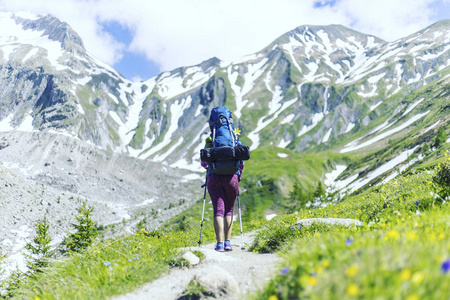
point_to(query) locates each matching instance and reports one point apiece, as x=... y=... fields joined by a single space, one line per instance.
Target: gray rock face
x=329 y=221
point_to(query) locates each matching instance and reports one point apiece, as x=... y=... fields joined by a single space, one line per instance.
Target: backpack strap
x=231 y=132
x=222 y=119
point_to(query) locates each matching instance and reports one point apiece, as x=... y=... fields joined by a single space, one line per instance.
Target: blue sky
x=132 y=65
x=142 y=38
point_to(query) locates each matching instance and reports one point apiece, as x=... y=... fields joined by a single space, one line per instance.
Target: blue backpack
x=223 y=135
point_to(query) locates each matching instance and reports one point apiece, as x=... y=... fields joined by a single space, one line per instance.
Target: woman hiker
x=223 y=189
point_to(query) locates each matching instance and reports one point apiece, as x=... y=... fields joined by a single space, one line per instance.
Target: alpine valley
x=320 y=103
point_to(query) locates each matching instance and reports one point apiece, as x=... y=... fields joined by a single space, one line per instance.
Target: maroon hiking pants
x=223 y=190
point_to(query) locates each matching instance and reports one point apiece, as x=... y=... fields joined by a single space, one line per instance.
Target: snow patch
x=288 y=119
x=276 y=108
x=83 y=81
x=191 y=177
x=114 y=98
x=372 y=107
x=5 y=124
x=327 y=135
x=176 y=112
x=415 y=79
x=382 y=169
x=289 y=47
x=80 y=109
x=412 y=106
x=432 y=126
x=385 y=134
x=349 y=127
x=254 y=71
x=183 y=164
x=30 y=54
x=27 y=124
x=198 y=111
x=330 y=178
x=315 y=120
x=16 y=259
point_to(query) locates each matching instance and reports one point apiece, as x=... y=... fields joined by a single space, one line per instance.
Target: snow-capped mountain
x=314 y=87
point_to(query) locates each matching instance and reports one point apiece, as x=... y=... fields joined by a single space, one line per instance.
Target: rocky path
x=240 y=271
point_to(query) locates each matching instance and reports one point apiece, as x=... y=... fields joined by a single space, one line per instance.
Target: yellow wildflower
x=417 y=277
x=273 y=297
x=325 y=263
x=319 y=270
x=413 y=297
x=37 y=298
x=405 y=274
x=393 y=234
x=441 y=236
x=412 y=236
x=237 y=131
x=312 y=280
x=352 y=290
x=352 y=270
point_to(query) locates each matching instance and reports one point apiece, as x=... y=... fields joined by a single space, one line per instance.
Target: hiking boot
x=219 y=247
x=228 y=246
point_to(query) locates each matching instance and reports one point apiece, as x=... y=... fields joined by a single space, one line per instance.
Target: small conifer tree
x=86 y=231
x=441 y=180
x=41 y=246
x=298 y=197
x=320 y=191
x=441 y=137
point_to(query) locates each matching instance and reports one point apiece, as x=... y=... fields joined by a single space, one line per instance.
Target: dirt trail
x=250 y=270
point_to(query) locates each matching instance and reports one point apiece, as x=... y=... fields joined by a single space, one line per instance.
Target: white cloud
x=178 y=33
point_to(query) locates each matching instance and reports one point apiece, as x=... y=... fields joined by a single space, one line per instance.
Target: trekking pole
x=240 y=222
x=203 y=211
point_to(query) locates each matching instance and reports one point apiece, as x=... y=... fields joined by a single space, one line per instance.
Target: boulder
x=3 y=145
x=215 y=282
x=191 y=258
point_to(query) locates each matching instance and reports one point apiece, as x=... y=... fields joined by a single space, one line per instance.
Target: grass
x=399 y=262
x=403 y=254
x=119 y=265
x=400 y=252
x=108 y=267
